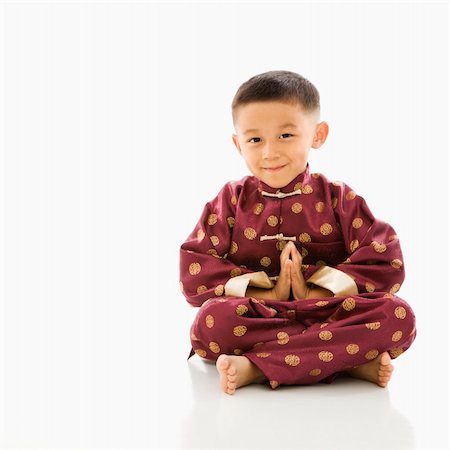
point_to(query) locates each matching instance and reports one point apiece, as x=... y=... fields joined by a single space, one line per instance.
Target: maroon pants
x=304 y=341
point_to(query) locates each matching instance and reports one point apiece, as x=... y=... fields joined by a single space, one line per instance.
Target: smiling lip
x=274 y=169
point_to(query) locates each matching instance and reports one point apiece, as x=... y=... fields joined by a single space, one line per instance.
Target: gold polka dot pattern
x=238 y=351
x=202 y=288
x=272 y=221
x=212 y=219
x=231 y=221
x=281 y=245
x=371 y=354
x=241 y=309
x=393 y=237
x=326 y=229
x=320 y=206
x=325 y=356
x=304 y=252
x=250 y=233
x=263 y=355
x=379 y=248
x=323 y=325
x=215 y=240
x=200 y=235
x=209 y=321
x=322 y=303
x=395 y=352
x=213 y=252
x=282 y=338
x=373 y=325
x=354 y=245
x=233 y=200
x=258 y=208
x=235 y=272
x=195 y=268
x=240 y=330
x=325 y=335
x=291 y=314
x=214 y=347
x=400 y=312
x=352 y=349
x=296 y=208
x=349 y=303
x=194 y=337
x=357 y=223
x=350 y=195
x=265 y=261
x=233 y=248
x=307 y=189
x=334 y=201
x=396 y=263
x=200 y=352
x=394 y=288
x=397 y=336
x=369 y=287
x=315 y=372
x=219 y=290
x=292 y=360
x=305 y=238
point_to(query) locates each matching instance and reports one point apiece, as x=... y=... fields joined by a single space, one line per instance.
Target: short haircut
x=277 y=85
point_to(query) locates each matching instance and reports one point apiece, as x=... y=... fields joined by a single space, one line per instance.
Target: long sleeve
x=205 y=271
x=375 y=261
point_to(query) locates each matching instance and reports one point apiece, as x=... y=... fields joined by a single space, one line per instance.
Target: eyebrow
x=286 y=125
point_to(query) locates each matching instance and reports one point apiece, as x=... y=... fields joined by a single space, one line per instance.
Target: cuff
x=237 y=286
x=334 y=280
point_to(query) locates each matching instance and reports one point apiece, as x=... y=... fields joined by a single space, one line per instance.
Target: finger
x=285 y=272
x=296 y=256
x=285 y=253
x=297 y=284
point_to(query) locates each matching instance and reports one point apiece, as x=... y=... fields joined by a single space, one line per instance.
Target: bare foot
x=237 y=371
x=377 y=371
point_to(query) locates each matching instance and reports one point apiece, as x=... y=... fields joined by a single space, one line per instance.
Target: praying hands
x=289 y=280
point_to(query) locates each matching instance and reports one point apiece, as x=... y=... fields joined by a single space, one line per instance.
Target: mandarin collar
x=302 y=178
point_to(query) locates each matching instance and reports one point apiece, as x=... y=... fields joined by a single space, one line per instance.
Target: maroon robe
x=237 y=243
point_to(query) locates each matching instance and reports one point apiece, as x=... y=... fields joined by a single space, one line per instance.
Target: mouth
x=274 y=169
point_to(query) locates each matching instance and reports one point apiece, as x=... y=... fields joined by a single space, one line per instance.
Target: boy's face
x=275 y=137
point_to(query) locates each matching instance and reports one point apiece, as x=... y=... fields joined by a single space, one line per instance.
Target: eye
x=254 y=138
x=287 y=134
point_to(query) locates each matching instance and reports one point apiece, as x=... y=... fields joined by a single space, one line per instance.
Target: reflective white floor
x=348 y=414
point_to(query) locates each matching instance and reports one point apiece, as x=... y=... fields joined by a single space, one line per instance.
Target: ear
x=236 y=142
x=320 y=136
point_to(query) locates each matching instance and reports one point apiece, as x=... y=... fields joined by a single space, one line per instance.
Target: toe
x=385 y=359
x=222 y=362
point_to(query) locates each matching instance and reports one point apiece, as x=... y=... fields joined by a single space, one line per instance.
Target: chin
x=275 y=185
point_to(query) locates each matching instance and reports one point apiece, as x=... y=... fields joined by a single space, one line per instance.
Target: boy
x=294 y=276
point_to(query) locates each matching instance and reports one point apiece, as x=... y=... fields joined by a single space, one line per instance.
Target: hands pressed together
x=289 y=280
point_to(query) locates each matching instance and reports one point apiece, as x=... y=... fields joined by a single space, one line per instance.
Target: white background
x=116 y=130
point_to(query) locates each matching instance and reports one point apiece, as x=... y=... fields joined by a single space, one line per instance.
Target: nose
x=270 y=151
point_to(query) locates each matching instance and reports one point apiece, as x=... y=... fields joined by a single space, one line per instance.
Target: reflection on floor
x=344 y=415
